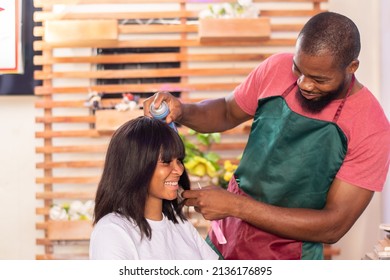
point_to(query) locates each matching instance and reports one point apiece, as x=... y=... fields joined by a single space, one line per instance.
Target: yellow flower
x=228 y=166
x=227 y=175
x=200 y=166
x=228 y=171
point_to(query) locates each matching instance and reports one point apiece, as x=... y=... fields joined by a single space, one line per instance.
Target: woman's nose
x=305 y=83
x=178 y=167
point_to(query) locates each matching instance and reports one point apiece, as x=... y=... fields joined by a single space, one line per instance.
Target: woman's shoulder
x=115 y=220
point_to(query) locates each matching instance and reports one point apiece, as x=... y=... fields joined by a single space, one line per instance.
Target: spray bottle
x=161 y=113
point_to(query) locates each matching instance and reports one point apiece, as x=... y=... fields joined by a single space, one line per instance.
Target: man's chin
x=314 y=105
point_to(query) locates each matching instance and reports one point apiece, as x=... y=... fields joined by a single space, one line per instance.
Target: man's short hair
x=333 y=33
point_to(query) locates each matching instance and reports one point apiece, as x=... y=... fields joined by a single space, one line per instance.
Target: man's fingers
x=191 y=202
x=191 y=194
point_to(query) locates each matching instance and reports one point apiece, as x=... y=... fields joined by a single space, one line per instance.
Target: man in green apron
x=318 y=148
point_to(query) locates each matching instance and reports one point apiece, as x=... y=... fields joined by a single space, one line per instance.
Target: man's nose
x=305 y=83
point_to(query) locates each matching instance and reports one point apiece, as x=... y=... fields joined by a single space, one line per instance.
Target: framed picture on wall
x=10 y=37
x=16 y=48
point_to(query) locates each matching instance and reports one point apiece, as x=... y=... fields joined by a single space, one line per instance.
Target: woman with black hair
x=138 y=214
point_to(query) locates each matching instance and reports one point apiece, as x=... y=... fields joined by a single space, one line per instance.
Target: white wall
x=366 y=14
x=385 y=89
x=17 y=177
x=17 y=151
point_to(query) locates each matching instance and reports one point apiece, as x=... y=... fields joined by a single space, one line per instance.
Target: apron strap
x=338 y=112
x=289 y=89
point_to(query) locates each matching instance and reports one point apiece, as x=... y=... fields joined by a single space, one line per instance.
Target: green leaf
x=213 y=157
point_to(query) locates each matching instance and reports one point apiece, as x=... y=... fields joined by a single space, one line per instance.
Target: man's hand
x=175 y=106
x=212 y=202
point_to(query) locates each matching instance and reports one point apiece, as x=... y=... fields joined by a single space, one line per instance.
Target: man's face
x=319 y=80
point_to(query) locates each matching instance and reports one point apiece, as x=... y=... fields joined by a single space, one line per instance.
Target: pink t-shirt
x=362 y=120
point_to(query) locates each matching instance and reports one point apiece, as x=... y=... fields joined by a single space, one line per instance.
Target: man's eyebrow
x=311 y=76
x=295 y=66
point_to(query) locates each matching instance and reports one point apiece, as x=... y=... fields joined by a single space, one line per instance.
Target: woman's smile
x=172 y=185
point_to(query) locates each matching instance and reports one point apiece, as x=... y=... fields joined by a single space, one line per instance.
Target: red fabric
x=246 y=242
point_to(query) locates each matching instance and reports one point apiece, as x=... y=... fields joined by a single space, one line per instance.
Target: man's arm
x=211 y=115
x=345 y=203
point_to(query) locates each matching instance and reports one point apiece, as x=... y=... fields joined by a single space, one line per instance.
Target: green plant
x=201 y=162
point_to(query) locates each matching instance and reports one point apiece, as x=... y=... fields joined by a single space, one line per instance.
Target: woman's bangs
x=172 y=147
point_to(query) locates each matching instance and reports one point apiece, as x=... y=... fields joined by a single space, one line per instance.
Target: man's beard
x=316 y=106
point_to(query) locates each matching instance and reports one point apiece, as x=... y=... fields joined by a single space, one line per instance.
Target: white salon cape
x=116 y=238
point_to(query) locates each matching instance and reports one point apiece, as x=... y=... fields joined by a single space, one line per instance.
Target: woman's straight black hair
x=131 y=159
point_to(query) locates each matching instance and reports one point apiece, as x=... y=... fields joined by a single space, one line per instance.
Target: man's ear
x=353 y=66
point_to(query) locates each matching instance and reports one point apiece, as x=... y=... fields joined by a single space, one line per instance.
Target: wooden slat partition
x=70 y=150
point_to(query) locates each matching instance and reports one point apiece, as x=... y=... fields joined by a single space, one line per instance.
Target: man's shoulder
x=364 y=111
x=364 y=101
x=280 y=58
x=278 y=64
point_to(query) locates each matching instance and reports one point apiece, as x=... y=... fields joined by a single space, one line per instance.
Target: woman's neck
x=153 y=209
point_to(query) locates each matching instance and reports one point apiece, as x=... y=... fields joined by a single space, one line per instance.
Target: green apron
x=290 y=161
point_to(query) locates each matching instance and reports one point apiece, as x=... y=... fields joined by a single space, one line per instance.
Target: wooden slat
x=65 y=119
x=155 y=57
x=290 y=13
x=139 y=88
x=79 y=30
x=68 y=180
x=42 y=211
x=70 y=164
x=45 y=3
x=69 y=230
x=157 y=28
x=65 y=195
x=61 y=256
x=48 y=16
x=71 y=149
x=67 y=134
x=103 y=148
x=212 y=29
x=280 y=42
x=188 y=28
x=143 y=73
x=64 y=104
x=286 y=27
x=109 y=120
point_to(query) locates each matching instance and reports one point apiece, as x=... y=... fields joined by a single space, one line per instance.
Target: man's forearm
x=206 y=116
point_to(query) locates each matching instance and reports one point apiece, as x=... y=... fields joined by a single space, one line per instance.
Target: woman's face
x=164 y=183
